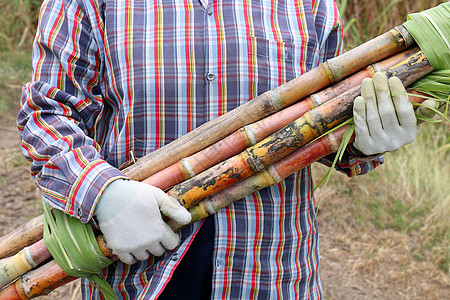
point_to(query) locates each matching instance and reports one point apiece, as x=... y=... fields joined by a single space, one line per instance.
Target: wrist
x=352 y=150
x=116 y=196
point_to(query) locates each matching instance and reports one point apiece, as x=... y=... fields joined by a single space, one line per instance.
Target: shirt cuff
x=88 y=188
x=354 y=162
x=357 y=163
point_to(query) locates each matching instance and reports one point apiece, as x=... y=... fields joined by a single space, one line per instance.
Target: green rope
x=75 y=249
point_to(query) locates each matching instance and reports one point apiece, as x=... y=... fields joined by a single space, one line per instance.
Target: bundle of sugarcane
x=387 y=45
x=264 y=151
x=188 y=191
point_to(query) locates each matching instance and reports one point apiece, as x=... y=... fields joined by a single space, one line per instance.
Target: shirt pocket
x=279 y=61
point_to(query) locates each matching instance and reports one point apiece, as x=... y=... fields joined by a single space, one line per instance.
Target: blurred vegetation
x=18 y=20
x=15 y=70
x=409 y=193
x=366 y=19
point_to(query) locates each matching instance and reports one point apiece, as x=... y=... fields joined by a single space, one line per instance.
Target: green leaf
x=431 y=31
x=74 y=247
x=340 y=152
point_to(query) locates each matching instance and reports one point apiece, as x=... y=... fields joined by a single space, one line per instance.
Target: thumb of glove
x=171 y=208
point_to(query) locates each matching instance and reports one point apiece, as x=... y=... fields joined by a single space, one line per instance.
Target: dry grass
x=409 y=194
x=387 y=234
x=18 y=20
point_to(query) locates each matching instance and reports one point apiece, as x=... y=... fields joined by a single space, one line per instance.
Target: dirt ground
x=355 y=264
x=372 y=264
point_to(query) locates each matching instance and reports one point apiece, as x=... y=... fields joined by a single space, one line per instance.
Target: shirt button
x=175 y=256
x=210 y=77
x=209 y=11
x=79 y=212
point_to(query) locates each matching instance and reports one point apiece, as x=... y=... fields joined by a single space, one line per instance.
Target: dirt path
x=18 y=193
x=366 y=263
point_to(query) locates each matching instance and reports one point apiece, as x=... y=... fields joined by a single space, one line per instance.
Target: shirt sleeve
x=59 y=109
x=353 y=162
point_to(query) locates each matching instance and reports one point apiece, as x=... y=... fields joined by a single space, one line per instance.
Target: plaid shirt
x=115 y=77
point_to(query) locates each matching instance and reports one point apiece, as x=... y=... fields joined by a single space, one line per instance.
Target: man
x=112 y=78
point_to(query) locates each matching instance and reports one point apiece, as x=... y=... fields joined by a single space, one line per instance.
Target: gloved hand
x=129 y=216
x=384 y=118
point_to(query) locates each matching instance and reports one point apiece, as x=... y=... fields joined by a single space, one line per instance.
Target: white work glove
x=129 y=216
x=384 y=118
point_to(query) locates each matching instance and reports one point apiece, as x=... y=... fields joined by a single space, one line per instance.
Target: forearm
x=65 y=161
x=59 y=111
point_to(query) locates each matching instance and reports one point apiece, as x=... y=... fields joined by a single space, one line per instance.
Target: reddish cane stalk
x=27 y=259
x=44 y=279
x=40 y=281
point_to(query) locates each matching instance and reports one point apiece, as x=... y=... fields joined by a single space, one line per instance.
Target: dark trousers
x=192 y=279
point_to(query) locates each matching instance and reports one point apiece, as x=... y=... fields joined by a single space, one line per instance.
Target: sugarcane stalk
x=44 y=279
x=251 y=134
x=22 y=262
x=329 y=72
x=21 y=237
x=40 y=281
